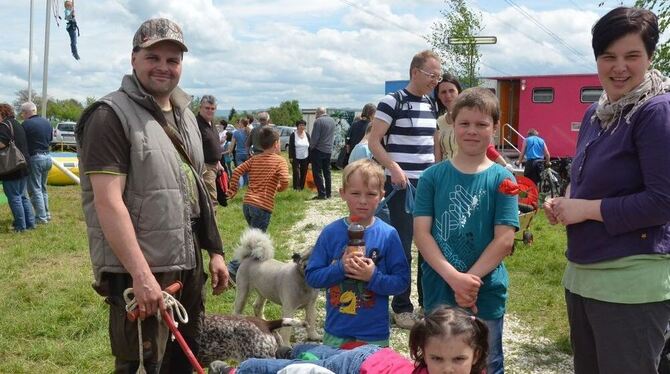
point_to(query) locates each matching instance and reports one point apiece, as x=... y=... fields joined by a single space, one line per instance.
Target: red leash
x=167 y=318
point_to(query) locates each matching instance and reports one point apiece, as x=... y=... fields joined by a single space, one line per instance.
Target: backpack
x=402 y=100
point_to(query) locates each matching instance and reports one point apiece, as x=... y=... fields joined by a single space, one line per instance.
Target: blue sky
x=254 y=54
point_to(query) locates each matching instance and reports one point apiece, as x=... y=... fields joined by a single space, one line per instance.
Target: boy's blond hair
x=368 y=170
x=480 y=98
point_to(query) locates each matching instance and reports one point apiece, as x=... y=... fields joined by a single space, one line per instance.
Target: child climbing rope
x=72 y=28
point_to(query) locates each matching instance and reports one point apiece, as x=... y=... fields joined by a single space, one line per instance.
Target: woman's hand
x=548 y=208
x=570 y=211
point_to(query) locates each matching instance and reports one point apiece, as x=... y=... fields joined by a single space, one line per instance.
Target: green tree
x=286 y=114
x=89 y=100
x=22 y=97
x=461 y=23
x=232 y=114
x=64 y=110
x=195 y=104
x=662 y=9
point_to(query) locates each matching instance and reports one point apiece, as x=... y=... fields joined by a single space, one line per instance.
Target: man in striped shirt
x=403 y=140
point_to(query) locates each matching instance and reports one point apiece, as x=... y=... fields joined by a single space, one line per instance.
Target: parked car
x=284 y=133
x=64 y=135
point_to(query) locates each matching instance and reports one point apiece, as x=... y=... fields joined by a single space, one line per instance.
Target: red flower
x=508 y=187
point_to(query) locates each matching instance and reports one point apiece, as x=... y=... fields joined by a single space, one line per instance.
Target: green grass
x=52 y=321
x=536 y=295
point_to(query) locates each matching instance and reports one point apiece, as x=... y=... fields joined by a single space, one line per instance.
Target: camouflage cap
x=157 y=30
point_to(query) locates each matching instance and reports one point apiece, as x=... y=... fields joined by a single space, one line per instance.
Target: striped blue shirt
x=410 y=141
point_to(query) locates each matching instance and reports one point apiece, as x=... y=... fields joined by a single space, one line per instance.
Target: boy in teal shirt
x=464 y=225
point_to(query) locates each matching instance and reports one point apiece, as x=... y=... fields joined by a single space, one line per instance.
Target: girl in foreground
x=448 y=340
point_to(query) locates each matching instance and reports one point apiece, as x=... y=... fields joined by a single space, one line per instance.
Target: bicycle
x=550 y=184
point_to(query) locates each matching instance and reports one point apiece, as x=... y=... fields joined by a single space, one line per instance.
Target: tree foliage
x=662 y=9
x=232 y=114
x=286 y=114
x=194 y=105
x=57 y=110
x=461 y=22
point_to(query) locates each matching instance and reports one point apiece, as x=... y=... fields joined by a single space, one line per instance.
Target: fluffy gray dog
x=282 y=283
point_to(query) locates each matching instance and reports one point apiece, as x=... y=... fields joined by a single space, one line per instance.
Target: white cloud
x=255 y=54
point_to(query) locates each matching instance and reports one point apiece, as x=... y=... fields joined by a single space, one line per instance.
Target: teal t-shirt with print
x=465 y=209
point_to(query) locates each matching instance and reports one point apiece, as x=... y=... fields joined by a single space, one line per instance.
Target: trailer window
x=543 y=95
x=590 y=94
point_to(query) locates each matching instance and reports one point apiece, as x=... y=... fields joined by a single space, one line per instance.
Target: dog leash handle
x=171 y=289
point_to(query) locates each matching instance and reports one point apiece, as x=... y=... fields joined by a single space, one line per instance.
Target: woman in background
x=298 y=154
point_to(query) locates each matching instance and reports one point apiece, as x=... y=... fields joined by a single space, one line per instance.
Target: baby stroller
x=528 y=205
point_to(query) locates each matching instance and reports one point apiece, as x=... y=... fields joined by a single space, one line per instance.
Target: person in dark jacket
x=298 y=153
x=357 y=130
x=210 y=144
x=15 y=184
x=39 y=135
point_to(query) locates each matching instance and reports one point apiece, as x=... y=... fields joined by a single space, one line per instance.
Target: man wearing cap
x=147 y=211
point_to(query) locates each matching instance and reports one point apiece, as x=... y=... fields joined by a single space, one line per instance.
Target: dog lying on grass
x=282 y=283
x=240 y=337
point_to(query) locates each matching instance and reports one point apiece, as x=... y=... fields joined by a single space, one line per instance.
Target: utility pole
x=45 y=78
x=30 y=54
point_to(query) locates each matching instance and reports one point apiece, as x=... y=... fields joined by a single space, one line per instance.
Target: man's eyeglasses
x=436 y=77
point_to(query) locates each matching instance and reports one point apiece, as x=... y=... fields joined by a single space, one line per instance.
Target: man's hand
x=148 y=295
x=398 y=177
x=219 y=273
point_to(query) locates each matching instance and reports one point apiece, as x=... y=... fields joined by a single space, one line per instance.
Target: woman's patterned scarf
x=654 y=84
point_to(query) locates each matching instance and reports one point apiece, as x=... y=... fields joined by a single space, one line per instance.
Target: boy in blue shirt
x=358 y=285
x=464 y=225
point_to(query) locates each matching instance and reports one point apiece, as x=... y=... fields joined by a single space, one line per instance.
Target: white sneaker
x=404 y=320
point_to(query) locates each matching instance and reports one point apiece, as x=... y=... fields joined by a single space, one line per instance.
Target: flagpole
x=30 y=54
x=45 y=99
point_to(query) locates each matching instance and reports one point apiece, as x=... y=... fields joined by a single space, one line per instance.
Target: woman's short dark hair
x=300 y=122
x=449 y=78
x=622 y=21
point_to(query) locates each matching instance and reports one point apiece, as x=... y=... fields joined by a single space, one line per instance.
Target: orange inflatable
x=309 y=180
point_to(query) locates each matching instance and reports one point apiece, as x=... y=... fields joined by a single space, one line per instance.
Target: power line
x=547 y=31
x=375 y=15
x=531 y=37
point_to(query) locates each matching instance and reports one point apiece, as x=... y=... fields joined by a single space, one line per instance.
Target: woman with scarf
x=617 y=209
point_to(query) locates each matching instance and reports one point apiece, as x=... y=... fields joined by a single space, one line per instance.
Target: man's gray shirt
x=323 y=133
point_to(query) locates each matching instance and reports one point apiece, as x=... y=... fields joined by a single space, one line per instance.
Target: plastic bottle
x=355 y=232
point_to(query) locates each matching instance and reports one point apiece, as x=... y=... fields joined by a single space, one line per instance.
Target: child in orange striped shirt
x=268 y=174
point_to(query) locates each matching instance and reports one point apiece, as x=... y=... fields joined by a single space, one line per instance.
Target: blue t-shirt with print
x=465 y=209
x=356 y=309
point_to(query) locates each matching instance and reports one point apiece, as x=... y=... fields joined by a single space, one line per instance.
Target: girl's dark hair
x=450 y=322
x=622 y=21
x=448 y=78
x=229 y=136
x=300 y=122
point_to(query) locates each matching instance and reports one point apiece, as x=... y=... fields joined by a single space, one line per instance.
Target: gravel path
x=525 y=352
